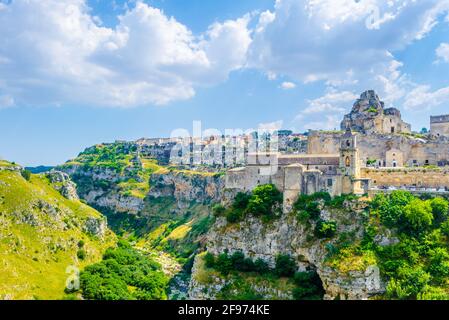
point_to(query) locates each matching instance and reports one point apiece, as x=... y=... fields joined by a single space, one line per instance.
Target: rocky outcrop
x=287 y=235
x=99 y=187
x=62 y=182
x=186 y=187
x=96 y=226
x=369 y=115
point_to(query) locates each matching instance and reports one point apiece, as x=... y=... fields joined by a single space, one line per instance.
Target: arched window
x=348 y=162
x=348 y=143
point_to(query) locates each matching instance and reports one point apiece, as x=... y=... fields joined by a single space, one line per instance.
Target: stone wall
x=415 y=151
x=411 y=177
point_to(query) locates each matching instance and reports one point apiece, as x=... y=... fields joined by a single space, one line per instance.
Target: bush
x=309 y=286
x=408 y=284
x=81 y=244
x=235 y=215
x=265 y=201
x=26 y=174
x=218 y=210
x=440 y=208
x=325 y=229
x=124 y=274
x=241 y=201
x=285 y=266
x=418 y=215
x=261 y=266
x=209 y=260
x=81 y=254
x=445 y=228
x=391 y=207
x=224 y=264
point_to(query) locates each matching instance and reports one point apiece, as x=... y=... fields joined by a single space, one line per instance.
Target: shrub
x=81 y=244
x=285 y=266
x=124 y=274
x=261 y=266
x=209 y=260
x=309 y=286
x=325 y=229
x=218 y=210
x=241 y=200
x=440 y=208
x=418 y=215
x=235 y=215
x=224 y=264
x=81 y=254
x=445 y=228
x=265 y=201
x=408 y=284
x=26 y=174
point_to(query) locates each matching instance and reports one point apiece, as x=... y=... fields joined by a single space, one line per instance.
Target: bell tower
x=349 y=163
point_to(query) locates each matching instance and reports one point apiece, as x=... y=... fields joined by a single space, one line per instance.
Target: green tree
x=440 y=208
x=26 y=174
x=265 y=201
x=285 y=266
x=418 y=215
x=325 y=229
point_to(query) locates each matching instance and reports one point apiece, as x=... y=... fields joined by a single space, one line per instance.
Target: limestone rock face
x=288 y=236
x=368 y=115
x=96 y=226
x=62 y=182
x=187 y=187
x=98 y=186
x=364 y=113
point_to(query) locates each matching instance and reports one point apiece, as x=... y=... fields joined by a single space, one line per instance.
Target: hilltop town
x=374 y=151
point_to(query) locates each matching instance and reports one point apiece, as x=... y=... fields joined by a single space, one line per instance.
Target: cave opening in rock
x=308 y=285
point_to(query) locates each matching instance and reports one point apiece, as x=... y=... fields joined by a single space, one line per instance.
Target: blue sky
x=76 y=73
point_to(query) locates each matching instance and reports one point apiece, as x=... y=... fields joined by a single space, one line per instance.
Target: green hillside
x=42 y=234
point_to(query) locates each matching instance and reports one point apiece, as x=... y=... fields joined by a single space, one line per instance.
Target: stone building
x=439 y=125
x=368 y=116
x=376 y=152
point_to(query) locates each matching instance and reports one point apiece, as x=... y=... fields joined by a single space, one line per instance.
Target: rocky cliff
x=43 y=234
x=286 y=235
x=187 y=186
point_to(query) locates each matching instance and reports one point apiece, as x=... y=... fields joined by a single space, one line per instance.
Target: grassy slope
x=33 y=259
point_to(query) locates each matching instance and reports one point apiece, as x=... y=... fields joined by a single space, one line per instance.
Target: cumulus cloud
x=442 y=52
x=55 y=52
x=271 y=126
x=423 y=98
x=288 y=85
x=325 y=112
x=341 y=42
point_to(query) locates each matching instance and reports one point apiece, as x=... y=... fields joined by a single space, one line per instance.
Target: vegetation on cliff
x=407 y=238
x=242 y=275
x=264 y=201
x=124 y=274
x=40 y=233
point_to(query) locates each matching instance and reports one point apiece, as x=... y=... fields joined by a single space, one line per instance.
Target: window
x=348 y=143
x=427 y=162
x=392 y=129
x=330 y=182
x=348 y=162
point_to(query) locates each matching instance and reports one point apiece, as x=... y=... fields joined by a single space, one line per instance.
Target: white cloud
x=325 y=112
x=271 y=126
x=442 y=52
x=342 y=42
x=422 y=98
x=54 y=52
x=288 y=85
